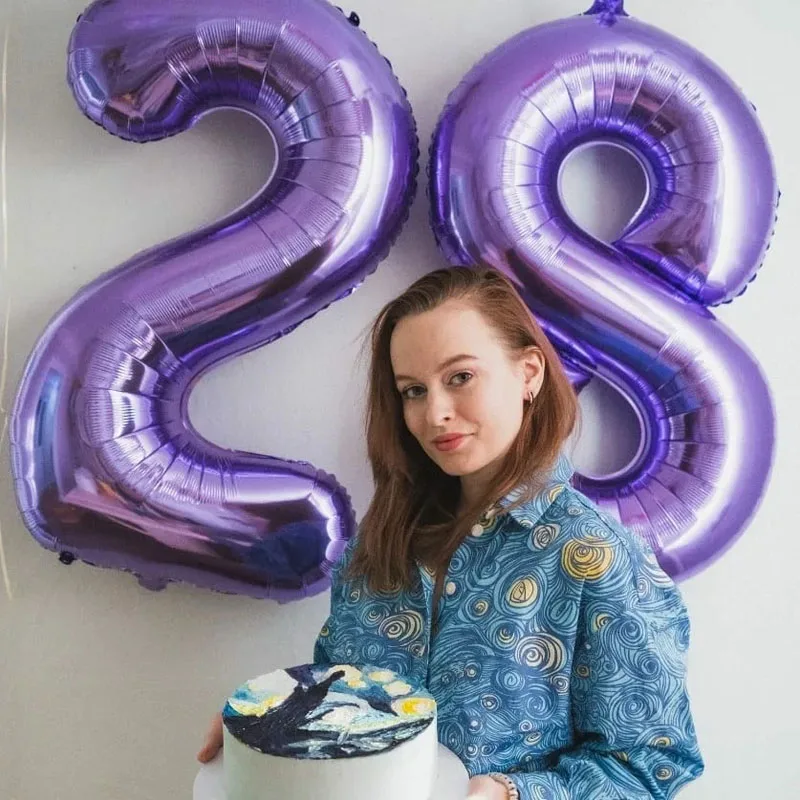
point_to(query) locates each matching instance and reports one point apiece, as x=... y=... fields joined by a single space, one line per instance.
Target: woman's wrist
x=511 y=788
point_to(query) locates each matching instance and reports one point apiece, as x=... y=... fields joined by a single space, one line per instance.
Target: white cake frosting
x=330 y=732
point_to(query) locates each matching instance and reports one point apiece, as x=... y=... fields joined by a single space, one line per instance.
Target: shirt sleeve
x=633 y=729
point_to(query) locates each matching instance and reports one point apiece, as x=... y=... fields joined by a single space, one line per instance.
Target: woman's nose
x=439 y=408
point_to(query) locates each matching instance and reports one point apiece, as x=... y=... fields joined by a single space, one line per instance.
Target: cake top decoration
x=321 y=711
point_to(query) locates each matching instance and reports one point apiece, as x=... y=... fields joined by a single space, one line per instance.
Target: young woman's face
x=457 y=379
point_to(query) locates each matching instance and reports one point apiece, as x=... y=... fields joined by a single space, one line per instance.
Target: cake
x=330 y=732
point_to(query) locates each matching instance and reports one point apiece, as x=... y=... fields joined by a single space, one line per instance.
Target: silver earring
x=531 y=396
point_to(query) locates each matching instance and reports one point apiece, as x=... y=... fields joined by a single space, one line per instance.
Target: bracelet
x=511 y=787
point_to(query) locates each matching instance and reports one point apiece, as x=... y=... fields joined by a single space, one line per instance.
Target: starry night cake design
x=323 y=711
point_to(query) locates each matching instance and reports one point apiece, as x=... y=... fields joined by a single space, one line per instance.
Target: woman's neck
x=472 y=487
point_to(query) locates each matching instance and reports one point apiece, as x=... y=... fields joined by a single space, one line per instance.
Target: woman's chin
x=454 y=466
x=453 y=472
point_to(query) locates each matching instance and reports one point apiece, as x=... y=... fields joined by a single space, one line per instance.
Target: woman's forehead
x=424 y=341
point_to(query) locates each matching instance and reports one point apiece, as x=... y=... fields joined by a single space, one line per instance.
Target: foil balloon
x=635 y=312
x=106 y=464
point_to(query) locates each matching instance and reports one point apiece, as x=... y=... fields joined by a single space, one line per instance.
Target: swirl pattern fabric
x=560 y=654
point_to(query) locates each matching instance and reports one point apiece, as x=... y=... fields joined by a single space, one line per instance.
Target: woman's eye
x=461 y=378
x=409 y=392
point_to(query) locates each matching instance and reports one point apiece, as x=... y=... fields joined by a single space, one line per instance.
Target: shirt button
x=450 y=588
x=477 y=530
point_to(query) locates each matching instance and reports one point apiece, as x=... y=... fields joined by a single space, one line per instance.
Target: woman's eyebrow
x=443 y=365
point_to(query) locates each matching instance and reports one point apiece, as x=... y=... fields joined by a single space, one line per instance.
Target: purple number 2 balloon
x=107 y=467
x=633 y=313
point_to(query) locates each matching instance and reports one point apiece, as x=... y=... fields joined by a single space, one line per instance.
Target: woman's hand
x=486 y=788
x=213 y=743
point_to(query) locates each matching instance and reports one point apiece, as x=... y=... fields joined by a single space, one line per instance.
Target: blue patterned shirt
x=560 y=654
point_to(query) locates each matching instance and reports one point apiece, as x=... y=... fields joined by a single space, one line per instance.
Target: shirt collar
x=553 y=482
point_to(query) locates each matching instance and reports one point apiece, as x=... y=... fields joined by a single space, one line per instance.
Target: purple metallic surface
x=635 y=312
x=107 y=467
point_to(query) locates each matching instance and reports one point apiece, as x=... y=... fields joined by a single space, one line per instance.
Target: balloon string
x=3 y=563
x=4 y=213
x=4 y=272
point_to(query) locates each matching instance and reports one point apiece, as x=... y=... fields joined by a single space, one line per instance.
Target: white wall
x=105 y=688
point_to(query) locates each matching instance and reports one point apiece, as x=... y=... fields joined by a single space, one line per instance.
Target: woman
x=551 y=639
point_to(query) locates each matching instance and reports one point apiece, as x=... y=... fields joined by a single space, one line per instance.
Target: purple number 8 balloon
x=107 y=467
x=633 y=313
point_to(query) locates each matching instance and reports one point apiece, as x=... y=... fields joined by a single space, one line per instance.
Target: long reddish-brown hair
x=413 y=513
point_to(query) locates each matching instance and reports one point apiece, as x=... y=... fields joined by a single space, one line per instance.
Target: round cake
x=332 y=731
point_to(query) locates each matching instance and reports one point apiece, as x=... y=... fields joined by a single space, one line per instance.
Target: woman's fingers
x=213 y=742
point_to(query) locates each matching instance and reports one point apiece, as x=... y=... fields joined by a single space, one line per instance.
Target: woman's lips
x=450 y=443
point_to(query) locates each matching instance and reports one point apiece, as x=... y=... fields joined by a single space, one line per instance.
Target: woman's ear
x=533 y=365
